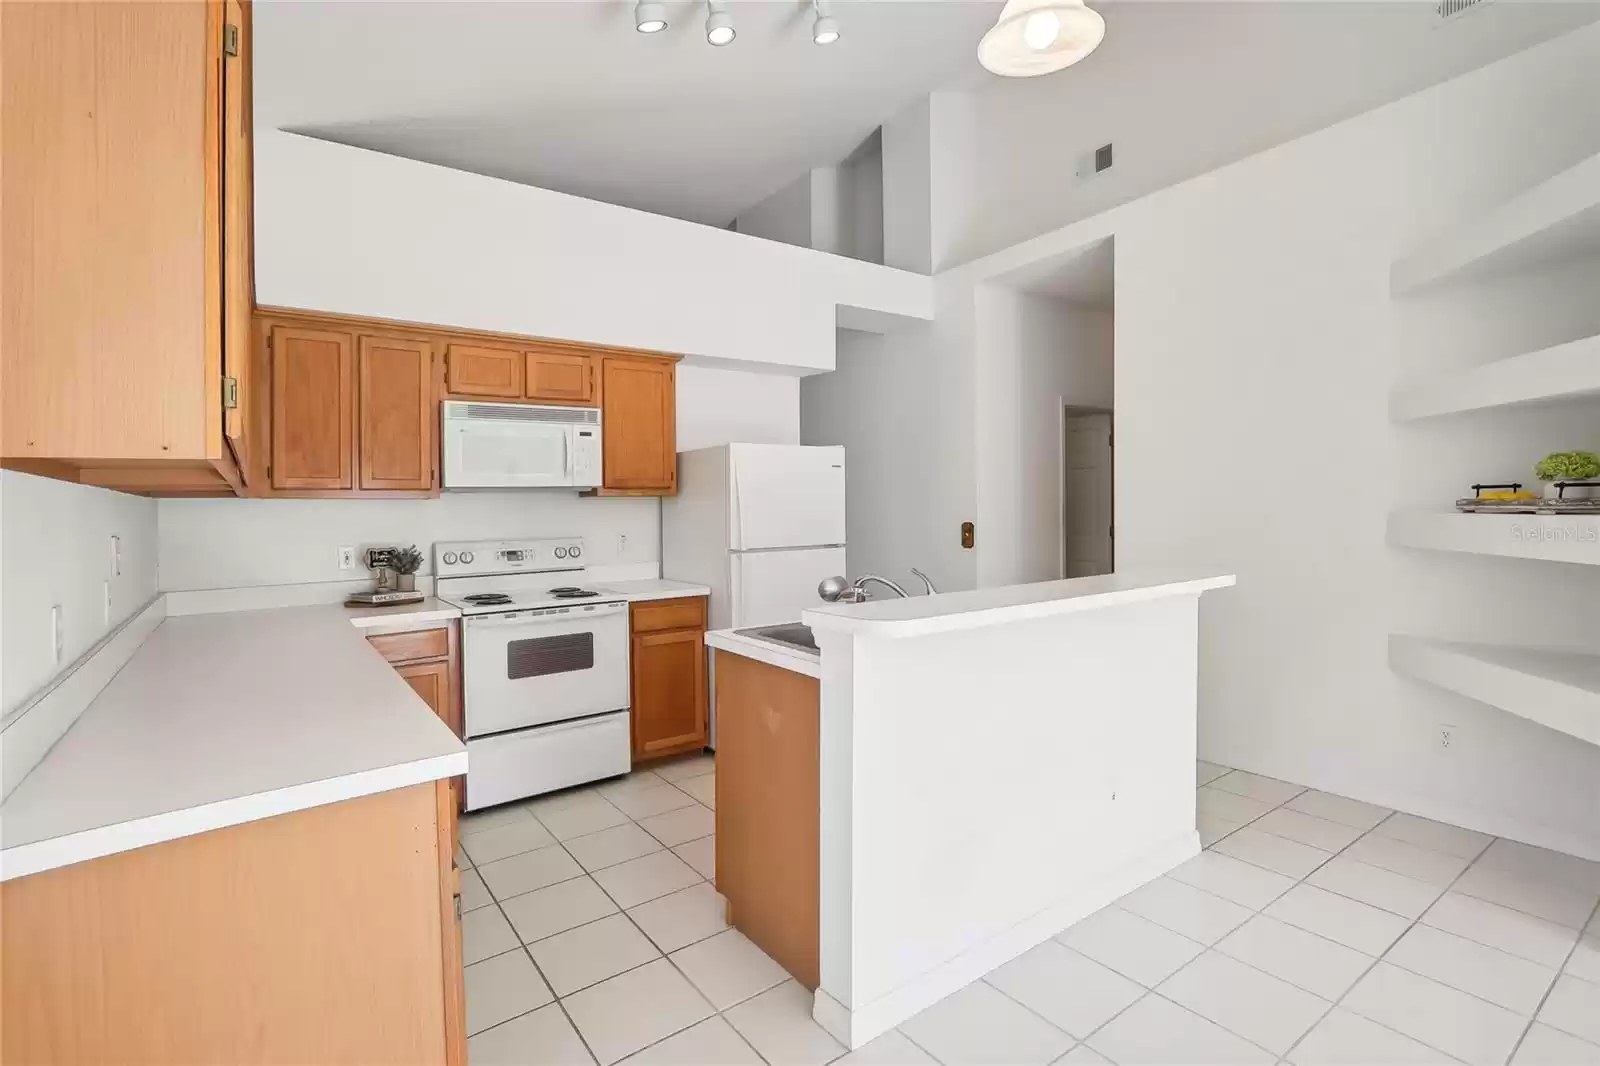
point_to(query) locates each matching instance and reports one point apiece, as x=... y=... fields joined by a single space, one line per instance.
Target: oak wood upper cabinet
x=639 y=424
x=312 y=409
x=124 y=270
x=559 y=377
x=399 y=409
x=475 y=370
x=669 y=712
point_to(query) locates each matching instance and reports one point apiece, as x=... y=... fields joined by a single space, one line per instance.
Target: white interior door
x=770 y=587
x=786 y=496
x=1086 y=505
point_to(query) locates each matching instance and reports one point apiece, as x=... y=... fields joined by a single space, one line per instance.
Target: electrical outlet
x=622 y=545
x=58 y=635
x=1447 y=737
x=116 y=556
x=347 y=557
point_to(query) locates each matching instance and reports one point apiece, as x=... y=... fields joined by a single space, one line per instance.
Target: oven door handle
x=538 y=617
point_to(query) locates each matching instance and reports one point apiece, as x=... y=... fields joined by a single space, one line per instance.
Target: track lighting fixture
x=649 y=17
x=824 y=27
x=719 y=24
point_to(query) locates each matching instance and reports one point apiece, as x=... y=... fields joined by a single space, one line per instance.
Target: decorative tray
x=1472 y=505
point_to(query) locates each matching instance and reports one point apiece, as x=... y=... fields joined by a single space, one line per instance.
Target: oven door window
x=542 y=656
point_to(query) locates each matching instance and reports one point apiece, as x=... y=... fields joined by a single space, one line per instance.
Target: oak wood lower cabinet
x=124 y=270
x=327 y=935
x=768 y=821
x=430 y=661
x=669 y=709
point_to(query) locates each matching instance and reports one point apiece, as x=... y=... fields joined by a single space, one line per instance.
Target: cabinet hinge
x=269 y=342
x=230 y=39
x=230 y=393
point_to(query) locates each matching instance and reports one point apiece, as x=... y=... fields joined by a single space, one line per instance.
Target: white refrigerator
x=761 y=524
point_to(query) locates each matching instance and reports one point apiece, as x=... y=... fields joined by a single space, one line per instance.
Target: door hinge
x=230 y=40
x=269 y=342
x=230 y=393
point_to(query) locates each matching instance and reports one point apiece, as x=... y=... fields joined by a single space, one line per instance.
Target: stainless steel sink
x=792 y=634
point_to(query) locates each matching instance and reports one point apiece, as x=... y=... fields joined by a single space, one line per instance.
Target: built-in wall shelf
x=1557 y=689
x=1553 y=538
x=1556 y=220
x=1565 y=372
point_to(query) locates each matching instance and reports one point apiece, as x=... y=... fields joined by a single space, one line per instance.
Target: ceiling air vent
x=1445 y=10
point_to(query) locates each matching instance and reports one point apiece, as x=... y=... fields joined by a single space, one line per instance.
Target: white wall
x=721 y=406
x=1256 y=344
x=784 y=216
x=1036 y=355
x=347 y=230
x=898 y=404
x=55 y=548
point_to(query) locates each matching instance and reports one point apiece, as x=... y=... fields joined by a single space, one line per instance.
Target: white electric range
x=544 y=667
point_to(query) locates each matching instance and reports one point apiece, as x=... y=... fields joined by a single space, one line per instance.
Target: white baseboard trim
x=853 y=1027
x=1494 y=823
x=40 y=723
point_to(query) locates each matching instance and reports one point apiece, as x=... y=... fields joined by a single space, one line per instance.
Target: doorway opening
x=1088 y=536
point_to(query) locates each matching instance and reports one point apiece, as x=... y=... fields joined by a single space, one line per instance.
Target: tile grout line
x=1560 y=972
x=1414 y=922
x=526 y=949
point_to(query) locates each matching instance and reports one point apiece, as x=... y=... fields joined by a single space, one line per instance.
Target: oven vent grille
x=538 y=656
x=526 y=413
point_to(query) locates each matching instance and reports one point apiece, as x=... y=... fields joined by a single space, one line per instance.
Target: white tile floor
x=1314 y=930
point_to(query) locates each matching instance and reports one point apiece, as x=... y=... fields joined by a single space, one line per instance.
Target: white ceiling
x=566 y=95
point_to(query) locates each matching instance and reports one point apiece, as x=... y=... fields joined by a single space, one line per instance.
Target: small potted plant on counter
x=1559 y=468
x=405 y=562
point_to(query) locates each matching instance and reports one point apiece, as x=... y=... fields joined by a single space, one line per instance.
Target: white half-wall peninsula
x=990 y=765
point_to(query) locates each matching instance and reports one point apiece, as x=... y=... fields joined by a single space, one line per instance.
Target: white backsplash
x=225 y=544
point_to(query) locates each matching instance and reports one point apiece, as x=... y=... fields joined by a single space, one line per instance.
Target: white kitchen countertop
x=221 y=719
x=653 y=589
x=406 y=614
x=765 y=651
x=917 y=615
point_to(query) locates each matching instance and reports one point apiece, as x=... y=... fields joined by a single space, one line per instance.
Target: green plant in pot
x=405 y=563
x=1567 y=466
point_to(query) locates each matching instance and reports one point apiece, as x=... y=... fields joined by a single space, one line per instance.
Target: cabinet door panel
x=398 y=409
x=639 y=424
x=559 y=377
x=477 y=371
x=431 y=681
x=312 y=421
x=669 y=692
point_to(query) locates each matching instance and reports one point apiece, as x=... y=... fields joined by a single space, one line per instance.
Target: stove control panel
x=465 y=558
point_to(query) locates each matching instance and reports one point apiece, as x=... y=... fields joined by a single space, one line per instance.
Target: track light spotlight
x=824 y=27
x=719 y=24
x=649 y=17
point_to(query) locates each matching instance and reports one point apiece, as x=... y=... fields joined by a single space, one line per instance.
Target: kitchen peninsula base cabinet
x=767 y=809
x=669 y=713
x=328 y=935
x=430 y=661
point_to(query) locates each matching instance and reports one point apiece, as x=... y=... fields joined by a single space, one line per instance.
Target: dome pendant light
x=719 y=24
x=824 y=27
x=649 y=17
x=1033 y=37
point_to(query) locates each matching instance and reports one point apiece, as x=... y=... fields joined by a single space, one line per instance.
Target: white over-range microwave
x=520 y=446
